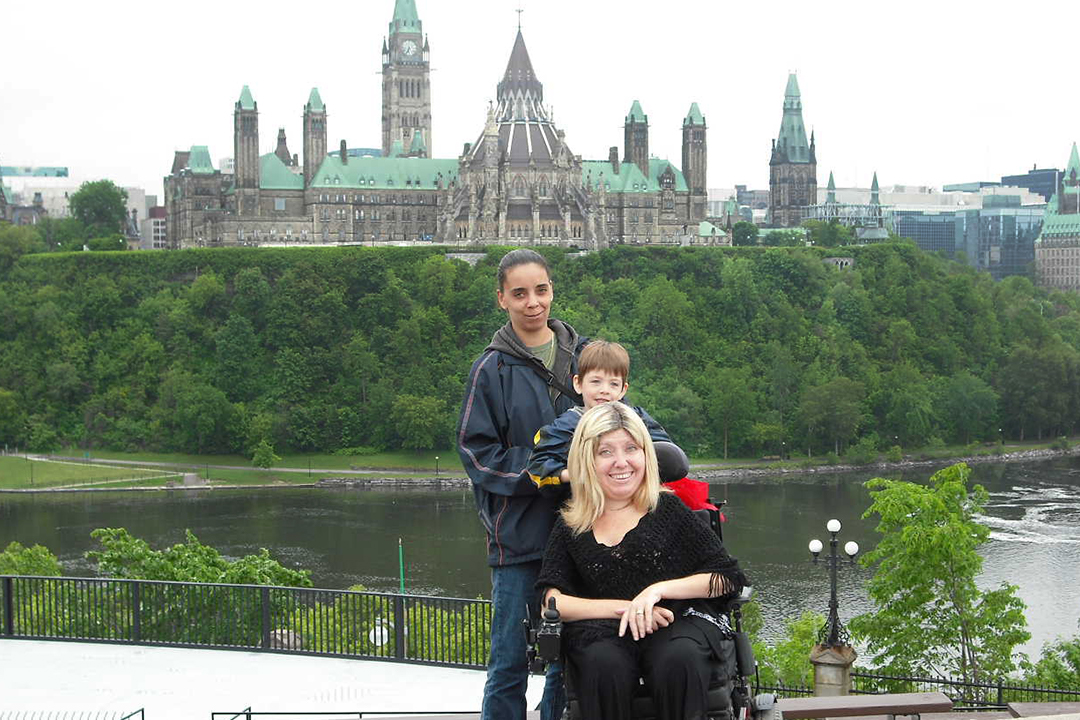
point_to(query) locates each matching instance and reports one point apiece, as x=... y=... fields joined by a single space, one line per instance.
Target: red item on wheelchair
x=694 y=493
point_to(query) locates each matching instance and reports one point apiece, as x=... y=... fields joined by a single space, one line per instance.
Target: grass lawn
x=16 y=472
x=405 y=461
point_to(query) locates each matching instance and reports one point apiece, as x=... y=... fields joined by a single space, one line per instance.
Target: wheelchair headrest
x=673 y=463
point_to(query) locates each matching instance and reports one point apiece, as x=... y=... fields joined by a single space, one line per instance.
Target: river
x=348 y=537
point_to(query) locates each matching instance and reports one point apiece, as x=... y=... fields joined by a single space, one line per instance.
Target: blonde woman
x=632 y=571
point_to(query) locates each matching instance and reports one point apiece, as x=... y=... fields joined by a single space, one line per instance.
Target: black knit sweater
x=667 y=543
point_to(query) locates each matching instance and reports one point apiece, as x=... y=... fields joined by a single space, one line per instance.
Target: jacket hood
x=506 y=340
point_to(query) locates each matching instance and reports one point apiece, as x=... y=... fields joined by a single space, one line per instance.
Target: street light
x=436 y=466
x=833 y=633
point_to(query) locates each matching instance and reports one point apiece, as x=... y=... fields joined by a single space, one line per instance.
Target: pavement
x=95 y=680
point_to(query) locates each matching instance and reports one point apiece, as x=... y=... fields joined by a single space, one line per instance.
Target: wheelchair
x=729 y=692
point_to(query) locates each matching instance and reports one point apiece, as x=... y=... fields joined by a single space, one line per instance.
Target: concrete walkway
x=43 y=678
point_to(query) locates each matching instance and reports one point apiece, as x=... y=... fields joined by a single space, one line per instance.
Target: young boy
x=603 y=369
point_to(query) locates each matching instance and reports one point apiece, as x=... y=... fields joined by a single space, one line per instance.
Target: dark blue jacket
x=552 y=448
x=506 y=402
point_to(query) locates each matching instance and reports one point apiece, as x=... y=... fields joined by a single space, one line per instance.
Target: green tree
x=931 y=616
x=744 y=233
x=731 y=401
x=101 y=207
x=970 y=405
x=1058 y=667
x=420 y=421
x=125 y=556
x=37 y=560
x=12 y=418
x=787 y=661
x=264 y=456
x=835 y=409
x=16 y=241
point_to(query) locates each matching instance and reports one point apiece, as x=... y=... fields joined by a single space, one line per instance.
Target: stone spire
x=282 y=149
x=406 y=18
x=521 y=95
x=791 y=143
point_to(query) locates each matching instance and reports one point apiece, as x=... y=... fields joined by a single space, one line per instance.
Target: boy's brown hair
x=605 y=356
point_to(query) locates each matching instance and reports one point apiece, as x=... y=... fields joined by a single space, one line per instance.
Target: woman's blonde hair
x=586 y=502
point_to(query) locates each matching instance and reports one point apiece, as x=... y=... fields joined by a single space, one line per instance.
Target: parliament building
x=518 y=183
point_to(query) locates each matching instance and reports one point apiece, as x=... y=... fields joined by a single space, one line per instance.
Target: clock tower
x=406 y=71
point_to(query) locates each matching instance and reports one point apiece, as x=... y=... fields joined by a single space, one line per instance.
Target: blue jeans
x=512 y=588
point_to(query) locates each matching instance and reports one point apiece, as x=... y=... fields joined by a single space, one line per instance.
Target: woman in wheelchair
x=633 y=573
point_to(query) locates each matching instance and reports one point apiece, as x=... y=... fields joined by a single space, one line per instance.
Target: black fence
x=336 y=623
x=965 y=695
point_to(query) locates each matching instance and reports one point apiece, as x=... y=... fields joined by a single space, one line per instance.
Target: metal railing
x=338 y=623
x=965 y=695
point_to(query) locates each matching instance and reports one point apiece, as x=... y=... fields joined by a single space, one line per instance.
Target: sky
x=923 y=93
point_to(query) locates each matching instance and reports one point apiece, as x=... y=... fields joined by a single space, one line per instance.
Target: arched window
x=519 y=186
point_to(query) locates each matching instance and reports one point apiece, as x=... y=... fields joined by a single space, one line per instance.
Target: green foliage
x=16 y=241
x=787 y=661
x=744 y=233
x=264 y=456
x=895 y=454
x=37 y=560
x=738 y=351
x=931 y=617
x=125 y=556
x=1058 y=668
x=101 y=207
x=830 y=234
x=863 y=452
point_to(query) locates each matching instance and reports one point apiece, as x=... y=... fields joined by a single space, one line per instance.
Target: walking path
x=98 y=679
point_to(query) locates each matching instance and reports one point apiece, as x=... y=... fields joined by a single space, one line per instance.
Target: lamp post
x=436 y=466
x=833 y=633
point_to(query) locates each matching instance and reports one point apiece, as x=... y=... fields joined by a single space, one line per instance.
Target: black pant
x=675 y=664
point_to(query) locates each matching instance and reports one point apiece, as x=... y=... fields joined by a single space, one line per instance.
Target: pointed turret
x=282 y=149
x=520 y=93
x=314 y=135
x=831 y=197
x=875 y=199
x=694 y=117
x=792 y=165
x=406 y=18
x=246 y=102
x=694 y=160
x=1072 y=170
x=791 y=143
x=418 y=148
x=636 y=138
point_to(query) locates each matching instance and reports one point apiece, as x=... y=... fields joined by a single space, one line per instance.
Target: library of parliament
x=518 y=183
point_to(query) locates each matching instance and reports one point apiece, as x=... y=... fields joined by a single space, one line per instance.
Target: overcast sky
x=925 y=93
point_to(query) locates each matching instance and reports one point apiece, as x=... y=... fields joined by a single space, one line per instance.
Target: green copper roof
x=405 y=18
x=1074 y=161
x=8 y=194
x=397 y=149
x=707 y=229
x=246 y=102
x=199 y=160
x=418 y=144
x=385 y=173
x=831 y=197
x=274 y=175
x=630 y=179
x=314 y=101
x=694 y=117
x=792 y=90
x=791 y=140
x=636 y=114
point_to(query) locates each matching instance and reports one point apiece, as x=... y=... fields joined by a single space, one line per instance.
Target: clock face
x=409 y=48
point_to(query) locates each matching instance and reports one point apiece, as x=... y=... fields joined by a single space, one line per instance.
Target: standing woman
x=520 y=383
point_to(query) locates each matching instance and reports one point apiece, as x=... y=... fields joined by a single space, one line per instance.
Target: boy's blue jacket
x=506 y=402
x=552 y=447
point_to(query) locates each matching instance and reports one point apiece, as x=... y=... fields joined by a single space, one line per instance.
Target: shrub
x=895 y=454
x=863 y=452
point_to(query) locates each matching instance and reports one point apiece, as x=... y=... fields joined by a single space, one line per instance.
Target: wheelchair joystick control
x=549 y=635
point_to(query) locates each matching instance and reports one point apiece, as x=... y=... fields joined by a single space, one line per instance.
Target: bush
x=1061 y=443
x=895 y=454
x=358 y=451
x=37 y=560
x=863 y=452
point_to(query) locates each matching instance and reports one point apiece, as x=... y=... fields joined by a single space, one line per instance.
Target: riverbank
x=358 y=478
